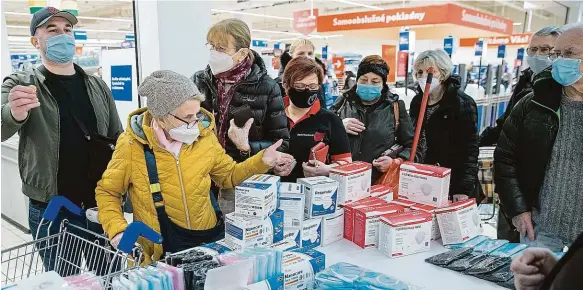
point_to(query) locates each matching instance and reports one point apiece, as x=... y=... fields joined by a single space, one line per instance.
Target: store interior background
x=158 y=34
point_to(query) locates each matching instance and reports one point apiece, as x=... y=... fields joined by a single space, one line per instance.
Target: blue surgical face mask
x=60 y=48
x=566 y=71
x=538 y=63
x=368 y=93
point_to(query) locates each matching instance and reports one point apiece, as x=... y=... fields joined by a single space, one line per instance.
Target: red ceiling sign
x=304 y=22
x=514 y=39
x=338 y=63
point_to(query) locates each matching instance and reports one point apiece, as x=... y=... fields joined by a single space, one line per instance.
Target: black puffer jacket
x=525 y=146
x=452 y=137
x=262 y=94
x=379 y=120
x=285 y=59
x=490 y=135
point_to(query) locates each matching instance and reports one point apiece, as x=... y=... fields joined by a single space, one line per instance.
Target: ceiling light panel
x=251 y=14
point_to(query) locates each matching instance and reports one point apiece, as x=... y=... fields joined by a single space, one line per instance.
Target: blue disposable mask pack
x=368 y=93
x=60 y=48
x=566 y=71
x=538 y=63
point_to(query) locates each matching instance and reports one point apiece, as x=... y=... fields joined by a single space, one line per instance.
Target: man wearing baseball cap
x=56 y=109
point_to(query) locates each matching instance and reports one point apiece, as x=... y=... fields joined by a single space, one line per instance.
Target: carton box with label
x=321 y=196
x=366 y=223
x=435 y=234
x=353 y=181
x=458 y=222
x=311 y=234
x=257 y=196
x=407 y=204
x=333 y=227
x=293 y=235
x=292 y=203
x=382 y=191
x=404 y=234
x=242 y=231
x=424 y=184
x=300 y=268
x=349 y=214
x=285 y=245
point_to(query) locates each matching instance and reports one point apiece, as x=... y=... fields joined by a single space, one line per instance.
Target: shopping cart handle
x=133 y=232
x=55 y=205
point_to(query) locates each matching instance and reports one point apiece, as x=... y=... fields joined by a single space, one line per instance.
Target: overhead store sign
x=501 y=51
x=479 y=48
x=80 y=35
x=121 y=82
x=259 y=43
x=325 y=52
x=520 y=54
x=438 y=14
x=404 y=40
x=448 y=45
x=304 y=22
x=515 y=39
x=338 y=63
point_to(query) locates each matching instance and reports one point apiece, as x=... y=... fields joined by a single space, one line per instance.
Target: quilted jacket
x=185 y=183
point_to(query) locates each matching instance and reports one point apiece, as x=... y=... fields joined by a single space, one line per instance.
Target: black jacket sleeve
x=275 y=123
x=505 y=157
x=405 y=133
x=468 y=129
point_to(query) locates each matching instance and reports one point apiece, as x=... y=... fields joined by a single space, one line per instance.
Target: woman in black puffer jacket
x=449 y=136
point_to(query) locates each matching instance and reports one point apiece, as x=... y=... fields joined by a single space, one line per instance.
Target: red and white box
x=366 y=223
x=354 y=181
x=458 y=222
x=404 y=234
x=383 y=192
x=407 y=204
x=435 y=234
x=426 y=184
x=349 y=214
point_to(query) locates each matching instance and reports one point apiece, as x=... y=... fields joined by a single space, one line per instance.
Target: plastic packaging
x=501 y=275
x=490 y=264
x=378 y=281
x=348 y=276
x=466 y=262
x=449 y=256
x=468 y=244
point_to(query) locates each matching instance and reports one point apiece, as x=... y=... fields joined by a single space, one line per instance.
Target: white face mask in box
x=220 y=62
x=434 y=84
x=184 y=134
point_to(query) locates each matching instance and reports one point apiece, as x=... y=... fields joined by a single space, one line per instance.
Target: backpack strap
x=155 y=189
x=396 y=113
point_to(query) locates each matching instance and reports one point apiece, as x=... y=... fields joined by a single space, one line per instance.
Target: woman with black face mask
x=310 y=124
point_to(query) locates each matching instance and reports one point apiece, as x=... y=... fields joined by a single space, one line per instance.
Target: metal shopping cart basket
x=73 y=249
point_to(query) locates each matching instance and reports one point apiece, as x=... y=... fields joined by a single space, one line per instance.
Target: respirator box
x=435 y=234
x=256 y=197
x=366 y=223
x=353 y=181
x=321 y=196
x=383 y=192
x=311 y=234
x=285 y=245
x=407 y=204
x=300 y=268
x=349 y=214
x=404 y=234
x=246 y=232
x=425 y=184
x=458 y=222
x=333 y=227
x=292 y=203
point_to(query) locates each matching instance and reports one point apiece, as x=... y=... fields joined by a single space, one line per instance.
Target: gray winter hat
x=166 y=90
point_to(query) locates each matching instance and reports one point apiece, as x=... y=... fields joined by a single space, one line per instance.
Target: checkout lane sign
x=448 y=45
x=404 y=41
x=325 y=52
x=520 y=54
x=501 y=51
x=479 y=48
x=121 y=82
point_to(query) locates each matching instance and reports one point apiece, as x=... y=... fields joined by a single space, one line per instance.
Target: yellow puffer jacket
x=185 y=183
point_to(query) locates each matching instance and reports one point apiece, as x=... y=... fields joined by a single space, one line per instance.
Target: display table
x=14 y=202
x=411 y=269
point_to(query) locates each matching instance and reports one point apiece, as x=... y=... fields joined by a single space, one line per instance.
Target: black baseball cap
x=42 y=16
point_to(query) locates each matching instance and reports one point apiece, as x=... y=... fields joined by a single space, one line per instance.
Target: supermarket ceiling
x=108 y=22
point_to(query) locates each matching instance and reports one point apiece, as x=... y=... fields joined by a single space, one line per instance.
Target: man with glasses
x=538 y=162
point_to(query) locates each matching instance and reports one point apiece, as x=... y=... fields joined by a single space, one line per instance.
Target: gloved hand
x=272 y=157
x=383 y=163
x=284 y=169
x=316 y=168
x=116 y=239
x=240 y=136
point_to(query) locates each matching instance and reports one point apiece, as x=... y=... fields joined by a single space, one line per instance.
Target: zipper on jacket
x=183 y=194
x=557 y=113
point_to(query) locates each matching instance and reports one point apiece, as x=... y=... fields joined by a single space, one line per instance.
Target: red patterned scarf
x=231 y=77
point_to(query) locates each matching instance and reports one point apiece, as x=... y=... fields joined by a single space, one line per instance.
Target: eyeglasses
x=303 y=87
x=217 y=48
x=543 y=50
x=189 y=125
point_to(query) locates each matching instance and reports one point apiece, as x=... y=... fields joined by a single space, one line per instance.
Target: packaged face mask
x=449 y=256
x=383 y=192
x=256 y=197
x=311 y=234
x=404 y=234
x=292 y=203
x=466 y=262
x=333 y=227
x=300 y=267
x=366 y=223
x=349 y=210
x=490 y=264
x=469 y=244
x=508 y=250
x=460 y=220
x=489 y=245
x=424 y=184
x=321 y=196
x=501 y=275
x=338 y=276
x=353 y=181
x=377 y=281
x=245 y=232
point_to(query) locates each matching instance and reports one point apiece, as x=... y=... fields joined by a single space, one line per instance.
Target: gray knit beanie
x=165 y=91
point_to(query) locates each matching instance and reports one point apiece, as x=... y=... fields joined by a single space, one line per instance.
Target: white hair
x=549 y=30
x=301 y=42
x=436 y=58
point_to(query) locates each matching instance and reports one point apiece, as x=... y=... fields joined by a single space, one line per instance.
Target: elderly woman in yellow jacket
x=166 y=160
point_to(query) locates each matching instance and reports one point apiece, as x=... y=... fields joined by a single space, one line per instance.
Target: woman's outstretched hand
x=272 y=157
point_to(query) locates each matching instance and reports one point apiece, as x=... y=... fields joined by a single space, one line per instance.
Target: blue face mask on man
x=566 y=71
x=60 y=48
x=368 y=93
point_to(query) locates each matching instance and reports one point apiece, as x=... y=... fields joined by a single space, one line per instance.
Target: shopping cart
x=74 y=250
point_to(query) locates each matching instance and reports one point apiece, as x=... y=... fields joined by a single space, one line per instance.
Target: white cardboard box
x=435 y=234
x=404 y=234
x=257 y=196
x=424 y=184
x=300 y=267
x=311 y=234
x=321 y=196
x=292 y=202
x=333 y=227
x=407 y=204
x=366 y=223
x=353 y=181
x=458 y=222
x=349 y=214
x=247 y=232
x=383 y=192
x=293 y=235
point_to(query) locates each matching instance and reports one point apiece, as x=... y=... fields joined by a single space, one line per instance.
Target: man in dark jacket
x=538 y=158
x=541 y=44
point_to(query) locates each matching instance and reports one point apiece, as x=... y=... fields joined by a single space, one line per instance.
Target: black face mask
x=303 y=99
